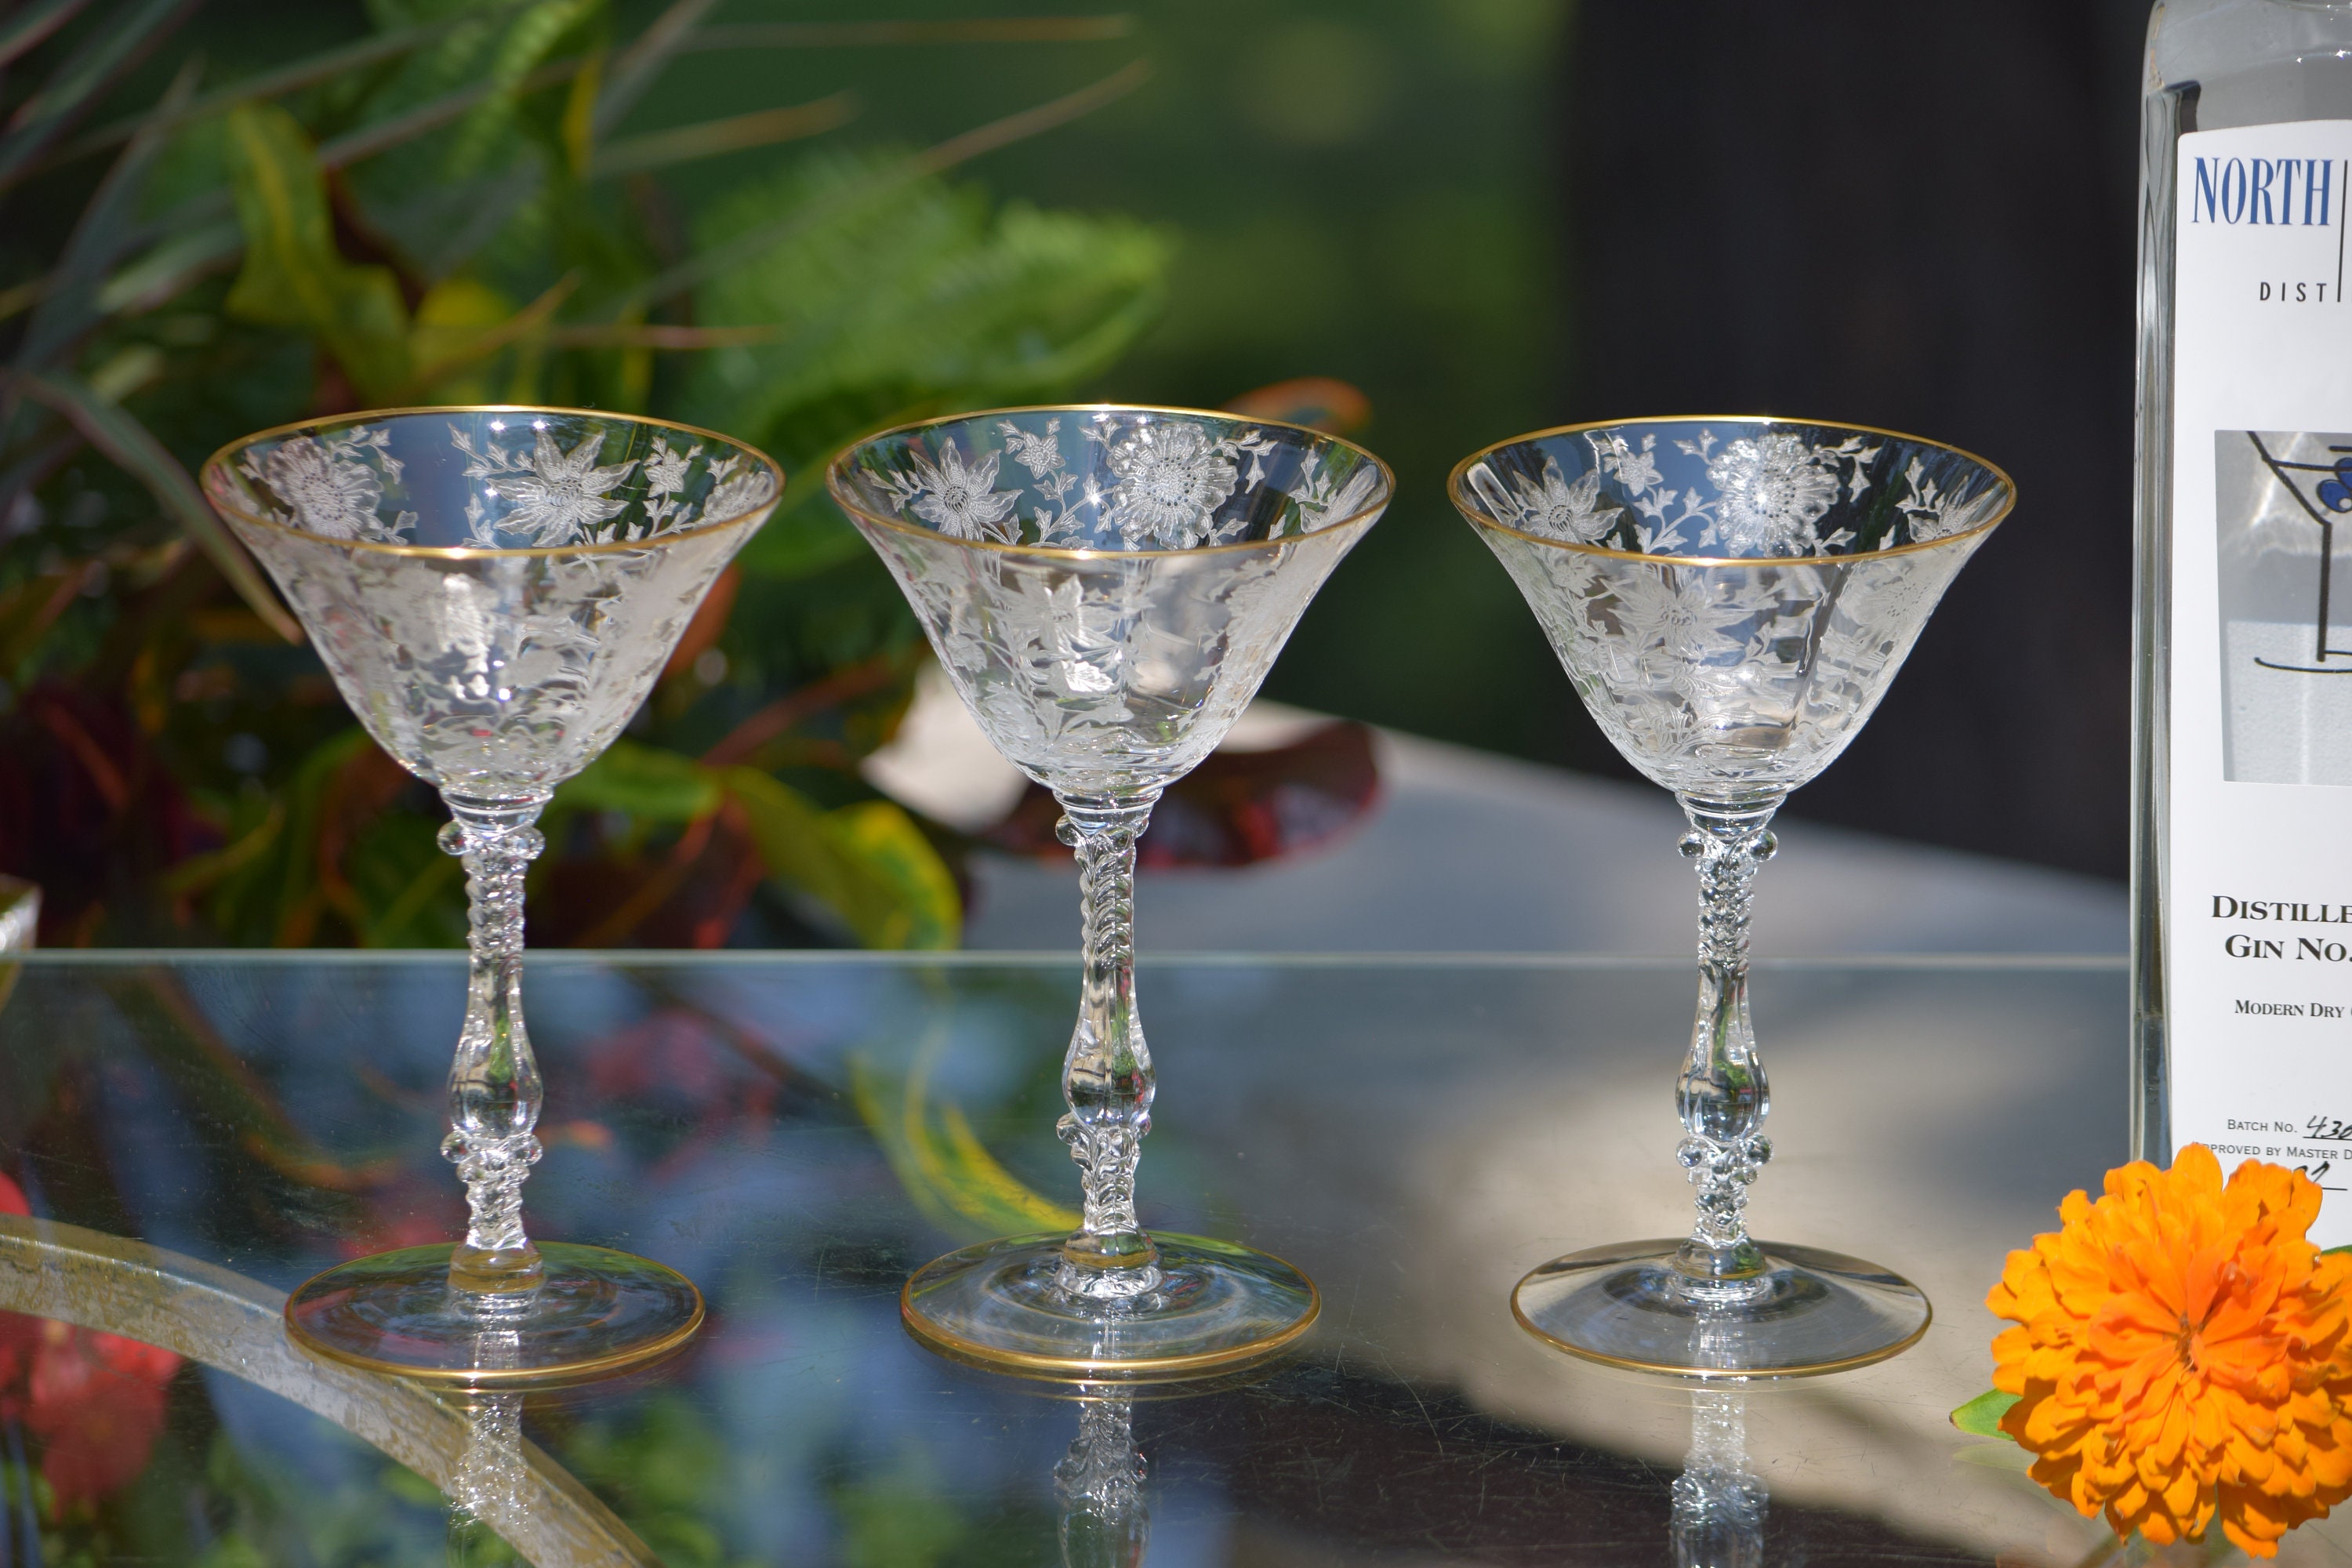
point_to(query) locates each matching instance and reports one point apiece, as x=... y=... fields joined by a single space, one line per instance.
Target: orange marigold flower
x=2181 y=1353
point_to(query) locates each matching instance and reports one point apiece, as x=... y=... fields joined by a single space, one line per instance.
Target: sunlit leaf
x=926 y=297
x=941 y=1163
x=467 y=346
x=293 y=275
x=922 y=909
x=867 y=863
x=1981 y=1416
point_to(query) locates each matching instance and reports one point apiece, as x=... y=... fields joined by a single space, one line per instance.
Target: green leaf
x=531 y=41
x=643 y=60
x=909 y=299
x=310 y=71
x=867 y=863
x=923 y=909
x=172 y=266
x=128 y=445
x=643 y=781
x=939 y=1161
x=1981 y=1416
x=886 y=180
x=105 y=232
x=28 y=27
x=293 y=275
x=446 y=346
x=735 y=133
x=110 y=48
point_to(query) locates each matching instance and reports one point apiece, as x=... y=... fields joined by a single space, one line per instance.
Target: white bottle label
x=2258 y=926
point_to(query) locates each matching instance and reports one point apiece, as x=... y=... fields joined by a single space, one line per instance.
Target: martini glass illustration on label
x=1731 y=598
x=1107 y=587
x=2281 y=497
x=494 y=591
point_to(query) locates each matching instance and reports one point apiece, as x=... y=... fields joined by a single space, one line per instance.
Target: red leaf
x=1237 y=808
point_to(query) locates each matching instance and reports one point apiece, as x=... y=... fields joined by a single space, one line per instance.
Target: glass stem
x=1107 y=1078
x=494 y=1085
x=1723 y=1095
x=1099 y=1484
x=1718 y=1502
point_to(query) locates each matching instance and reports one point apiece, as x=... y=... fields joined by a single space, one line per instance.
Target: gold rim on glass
x=593 y=1369
x=1713 y=1375
x=1457 y=491
x=469 y=552
x=844 y=498
x=1064 y=1369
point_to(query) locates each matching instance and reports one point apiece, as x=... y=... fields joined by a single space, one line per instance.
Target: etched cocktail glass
x=494 y=591
x=1107 y=587
x=1730 y=597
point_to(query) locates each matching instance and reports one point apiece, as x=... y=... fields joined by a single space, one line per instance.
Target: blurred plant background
x=791 y=223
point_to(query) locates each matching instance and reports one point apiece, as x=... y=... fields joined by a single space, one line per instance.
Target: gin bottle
x=2242 y=897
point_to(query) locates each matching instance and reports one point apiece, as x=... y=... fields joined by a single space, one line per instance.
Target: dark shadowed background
x=1916 y=216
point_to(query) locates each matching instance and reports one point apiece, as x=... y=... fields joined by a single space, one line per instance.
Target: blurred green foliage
x=1364 y=189
x=460 y=201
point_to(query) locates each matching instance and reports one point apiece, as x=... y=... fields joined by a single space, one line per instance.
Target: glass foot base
x=1220 y=1305
x=1815 y=1311
x=599 y=1312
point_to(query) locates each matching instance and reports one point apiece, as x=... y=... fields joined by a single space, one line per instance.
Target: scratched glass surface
x=789 y=1131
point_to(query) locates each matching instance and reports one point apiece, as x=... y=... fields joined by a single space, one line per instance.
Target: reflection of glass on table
x=744 y=1117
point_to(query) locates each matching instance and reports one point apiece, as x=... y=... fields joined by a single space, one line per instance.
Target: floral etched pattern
x=494 y=675
x=1172 y=479
x=559 y=498
x=1740 y=677
x=333 y=485
x=1126 y=481
x=500 y=479
x=1096 y=673
x=1775 y=491
x=960 y=502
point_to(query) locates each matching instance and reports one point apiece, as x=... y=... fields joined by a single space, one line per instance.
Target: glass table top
x=198 y=1133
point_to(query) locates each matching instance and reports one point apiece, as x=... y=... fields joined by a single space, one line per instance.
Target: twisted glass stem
x=494 y=1085
x=1107 y=1076
x=1723 y=1095
x=488 y=1490
x=1099 y=1484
